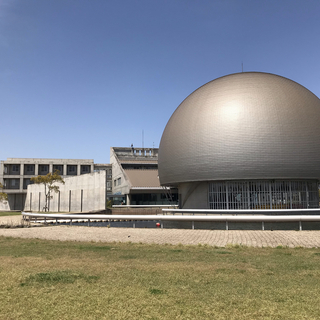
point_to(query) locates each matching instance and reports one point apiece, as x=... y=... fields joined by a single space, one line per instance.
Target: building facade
x=135 y=177
x=16 y=174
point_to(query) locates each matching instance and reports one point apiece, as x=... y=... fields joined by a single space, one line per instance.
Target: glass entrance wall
x=264 y=194
x=153 y=199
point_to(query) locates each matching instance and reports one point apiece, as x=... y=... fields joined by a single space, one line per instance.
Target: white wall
x=82 y=193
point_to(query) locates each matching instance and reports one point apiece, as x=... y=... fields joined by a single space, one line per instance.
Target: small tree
x=49 y=181
x=3 y=195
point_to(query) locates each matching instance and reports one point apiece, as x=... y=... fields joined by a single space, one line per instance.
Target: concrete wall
x=15 y=202
x=82 y=193
x=193 y=195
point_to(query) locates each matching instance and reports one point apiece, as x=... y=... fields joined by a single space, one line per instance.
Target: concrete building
x=15 y=175
x=244 y=141
x=135 y=177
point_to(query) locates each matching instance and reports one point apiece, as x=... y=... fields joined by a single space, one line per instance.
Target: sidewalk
x=220 y=238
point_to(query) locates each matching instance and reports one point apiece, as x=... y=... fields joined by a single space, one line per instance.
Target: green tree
x=3 y=195
x=49 y=182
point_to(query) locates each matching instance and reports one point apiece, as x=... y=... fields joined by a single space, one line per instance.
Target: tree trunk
x=45 y=192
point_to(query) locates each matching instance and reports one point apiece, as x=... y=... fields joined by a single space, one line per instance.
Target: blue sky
x=79 y=76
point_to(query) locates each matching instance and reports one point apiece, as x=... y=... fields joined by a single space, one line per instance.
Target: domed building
x=244 y=141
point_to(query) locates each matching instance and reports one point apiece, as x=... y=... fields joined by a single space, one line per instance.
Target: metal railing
x=192 y=218
x=275 y=212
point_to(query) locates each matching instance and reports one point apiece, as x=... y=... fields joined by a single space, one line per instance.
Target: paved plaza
x=220 y=238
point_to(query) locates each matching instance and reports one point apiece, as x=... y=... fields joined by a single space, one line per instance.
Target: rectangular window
x=15 y=168
x=59 y=168
x=14 y=183
x=29 y=169
x=85 y=169
x=72 y=170
x=44 y=168
x=119 y=181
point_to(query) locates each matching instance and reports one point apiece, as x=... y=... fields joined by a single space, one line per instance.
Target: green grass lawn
x=9 y=213
x=70 y=280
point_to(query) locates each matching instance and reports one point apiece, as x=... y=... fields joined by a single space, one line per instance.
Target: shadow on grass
x=156 y=291
x=55 y=277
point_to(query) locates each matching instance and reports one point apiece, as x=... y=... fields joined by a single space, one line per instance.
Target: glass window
x=265 y=194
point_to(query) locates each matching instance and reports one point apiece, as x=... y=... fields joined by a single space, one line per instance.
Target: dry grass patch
x=70 y=280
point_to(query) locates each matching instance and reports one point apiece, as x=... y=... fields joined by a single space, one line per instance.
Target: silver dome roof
x=248 y=125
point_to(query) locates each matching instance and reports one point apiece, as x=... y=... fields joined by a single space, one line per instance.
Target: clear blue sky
x=79 y=76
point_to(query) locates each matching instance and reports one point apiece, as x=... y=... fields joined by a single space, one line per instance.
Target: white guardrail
x=191 y=218
x=145 y=206
x=242 y=211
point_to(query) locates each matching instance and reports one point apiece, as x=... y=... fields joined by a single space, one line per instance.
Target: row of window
x=151 y=166
x=29 y=169
x=15 y=183
x=153 y=199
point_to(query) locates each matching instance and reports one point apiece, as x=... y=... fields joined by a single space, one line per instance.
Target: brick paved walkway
x=218 y=238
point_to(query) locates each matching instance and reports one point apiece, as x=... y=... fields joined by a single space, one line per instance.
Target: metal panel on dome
x=243 y=126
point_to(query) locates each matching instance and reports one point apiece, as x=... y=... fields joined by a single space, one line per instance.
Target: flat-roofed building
x=135 y=177
x=16 y=174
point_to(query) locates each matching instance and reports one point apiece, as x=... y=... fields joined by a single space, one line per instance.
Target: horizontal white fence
x=276 y=212
x=161 y=218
